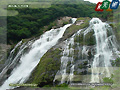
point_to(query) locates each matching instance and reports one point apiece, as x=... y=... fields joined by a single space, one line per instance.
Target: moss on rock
x=50 y=63
x=74 y=28
x=116 y=62
x=89 y=39
x=47 y=68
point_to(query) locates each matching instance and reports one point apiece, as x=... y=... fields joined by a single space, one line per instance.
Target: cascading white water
x=105 y=47
x=68 y=50
x=98 y=55
x=67 y=55
x=13 y=60
x=30 y=60
x=10 y=57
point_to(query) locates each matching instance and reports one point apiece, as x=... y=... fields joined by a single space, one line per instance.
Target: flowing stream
x=106 y=49
x=30 y=60
x=90 y=52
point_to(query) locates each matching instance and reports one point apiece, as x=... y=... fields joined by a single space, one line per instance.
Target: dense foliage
x=30 y=22
x=3 y=29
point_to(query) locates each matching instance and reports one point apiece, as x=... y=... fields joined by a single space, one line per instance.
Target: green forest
x=29 y=22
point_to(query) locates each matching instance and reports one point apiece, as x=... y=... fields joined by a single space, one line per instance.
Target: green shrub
x=62 y=85
x=116 y=62
x=107 y=80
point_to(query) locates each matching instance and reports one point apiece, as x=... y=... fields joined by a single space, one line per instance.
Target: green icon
x=105 y=4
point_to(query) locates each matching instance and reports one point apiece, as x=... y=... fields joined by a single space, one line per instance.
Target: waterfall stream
x=88 y=54
x=30 y=60
x=105 y=48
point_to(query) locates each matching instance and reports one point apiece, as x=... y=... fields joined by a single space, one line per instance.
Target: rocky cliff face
x=73 y=55
x=25 y=46
x=50 y=63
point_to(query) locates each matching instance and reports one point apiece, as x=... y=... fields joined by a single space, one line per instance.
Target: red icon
x=99 y=4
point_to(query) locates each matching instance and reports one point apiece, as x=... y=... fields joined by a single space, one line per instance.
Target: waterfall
x=13 y=59
x=29 y=61
x=67 y=58
x=88 y=54
x=105 y=48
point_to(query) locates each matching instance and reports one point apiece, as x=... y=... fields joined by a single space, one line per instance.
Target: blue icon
x=114 y=4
